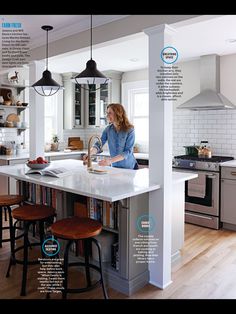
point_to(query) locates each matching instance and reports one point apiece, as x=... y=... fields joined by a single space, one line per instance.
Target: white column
x=36 y=112
x=160 y=158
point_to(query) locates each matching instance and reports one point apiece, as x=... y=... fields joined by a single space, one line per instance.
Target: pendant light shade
x=91 y=75
x=46 y=86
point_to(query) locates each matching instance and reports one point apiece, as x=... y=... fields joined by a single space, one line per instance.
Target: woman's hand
x=105 y=162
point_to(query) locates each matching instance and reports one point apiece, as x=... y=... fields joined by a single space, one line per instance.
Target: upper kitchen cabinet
x=96 y=103
x=73 y=103
x=87 y=108
x=98 y=97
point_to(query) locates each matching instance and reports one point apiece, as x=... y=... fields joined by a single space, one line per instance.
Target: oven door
x=209 y=202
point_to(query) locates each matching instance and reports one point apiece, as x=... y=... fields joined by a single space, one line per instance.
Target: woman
x=120 y=136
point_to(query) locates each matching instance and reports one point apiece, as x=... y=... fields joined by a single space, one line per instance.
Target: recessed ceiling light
x=134 y=59
x=231 y=40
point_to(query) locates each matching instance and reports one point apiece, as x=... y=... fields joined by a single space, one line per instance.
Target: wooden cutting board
x=75 y=143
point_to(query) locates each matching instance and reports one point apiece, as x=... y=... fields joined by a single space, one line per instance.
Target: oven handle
x=199 y=216
x=233 y=173
x=213 y=176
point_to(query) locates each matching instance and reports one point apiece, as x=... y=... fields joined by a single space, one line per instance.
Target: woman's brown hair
x=121 y=118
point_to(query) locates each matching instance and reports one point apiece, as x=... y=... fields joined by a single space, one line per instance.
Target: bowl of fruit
x=38 y=163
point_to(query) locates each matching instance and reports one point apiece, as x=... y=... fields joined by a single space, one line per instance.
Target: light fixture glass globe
x=91 y=75
x=46 y=86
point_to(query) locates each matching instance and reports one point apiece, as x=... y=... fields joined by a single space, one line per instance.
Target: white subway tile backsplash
x=216 y=126
x=202 y=131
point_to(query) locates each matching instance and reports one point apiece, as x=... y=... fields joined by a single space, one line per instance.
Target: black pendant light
x=91 y=75
x=46 y=86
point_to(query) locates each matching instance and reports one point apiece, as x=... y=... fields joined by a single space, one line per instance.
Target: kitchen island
x=129 y=191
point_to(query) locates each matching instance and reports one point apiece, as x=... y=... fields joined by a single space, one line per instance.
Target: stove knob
x=209 y=165
x=192 y=165
x=176 y=163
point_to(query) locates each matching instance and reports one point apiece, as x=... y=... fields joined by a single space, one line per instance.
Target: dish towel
x=197 y=187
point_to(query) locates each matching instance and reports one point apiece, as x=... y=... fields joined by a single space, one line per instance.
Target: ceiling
x=207 y=35
x=193 y=38
x=128 y=54
x=63 y=25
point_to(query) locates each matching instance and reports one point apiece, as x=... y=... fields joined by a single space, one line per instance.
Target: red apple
x=40 y=160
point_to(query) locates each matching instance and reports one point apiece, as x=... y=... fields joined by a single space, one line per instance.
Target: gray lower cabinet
x=132 y=274
x=228 y=196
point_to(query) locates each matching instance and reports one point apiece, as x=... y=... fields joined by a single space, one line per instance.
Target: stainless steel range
x=202 y=195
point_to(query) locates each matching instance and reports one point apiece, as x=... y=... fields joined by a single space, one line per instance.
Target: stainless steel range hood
x=209 y=97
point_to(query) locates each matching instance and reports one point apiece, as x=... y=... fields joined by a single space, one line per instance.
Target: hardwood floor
x=207 y=270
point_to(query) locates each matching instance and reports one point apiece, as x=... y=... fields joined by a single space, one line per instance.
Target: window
x=53 y=116
x=50 y=117
x=135 y=98
x=139 y=114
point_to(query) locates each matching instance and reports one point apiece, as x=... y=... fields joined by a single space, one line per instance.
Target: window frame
x=129 y=89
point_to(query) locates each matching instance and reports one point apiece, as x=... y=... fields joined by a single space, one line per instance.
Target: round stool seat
x=75 y=228
x=8 y=200
x=33 y=212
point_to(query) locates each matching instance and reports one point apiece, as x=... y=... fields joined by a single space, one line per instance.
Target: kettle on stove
x=204 y=150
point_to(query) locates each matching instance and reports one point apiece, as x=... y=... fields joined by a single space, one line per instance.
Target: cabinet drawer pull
x=233 y=173
x=213 y=176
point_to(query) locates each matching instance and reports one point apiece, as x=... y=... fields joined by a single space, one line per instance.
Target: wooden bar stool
x=6 y=201
x=28 y=214
x=74 y=229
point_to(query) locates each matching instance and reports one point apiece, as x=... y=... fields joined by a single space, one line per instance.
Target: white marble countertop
x=14 y=157
x=117 y=184
x=49 y=154
x=62 y=153
x=230 y=163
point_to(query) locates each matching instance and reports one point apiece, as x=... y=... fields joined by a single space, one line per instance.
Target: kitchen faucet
x=89 y=164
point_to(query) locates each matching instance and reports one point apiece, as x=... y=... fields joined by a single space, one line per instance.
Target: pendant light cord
x=91 y=35
x=47 y=52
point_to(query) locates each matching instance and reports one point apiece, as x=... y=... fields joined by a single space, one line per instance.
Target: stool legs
x=25 y=247
x=5 y=213
x=86 y=258
x=87 y=268
x=100 y=266
x=1 y=226
x=25 y=260
x=3 y=209
x=6 y=209
x=12 y=257
x=41 y=235
x=64 y=292
x=12 y=230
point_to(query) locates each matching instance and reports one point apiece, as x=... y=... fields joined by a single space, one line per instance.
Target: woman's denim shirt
x=119 y=143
